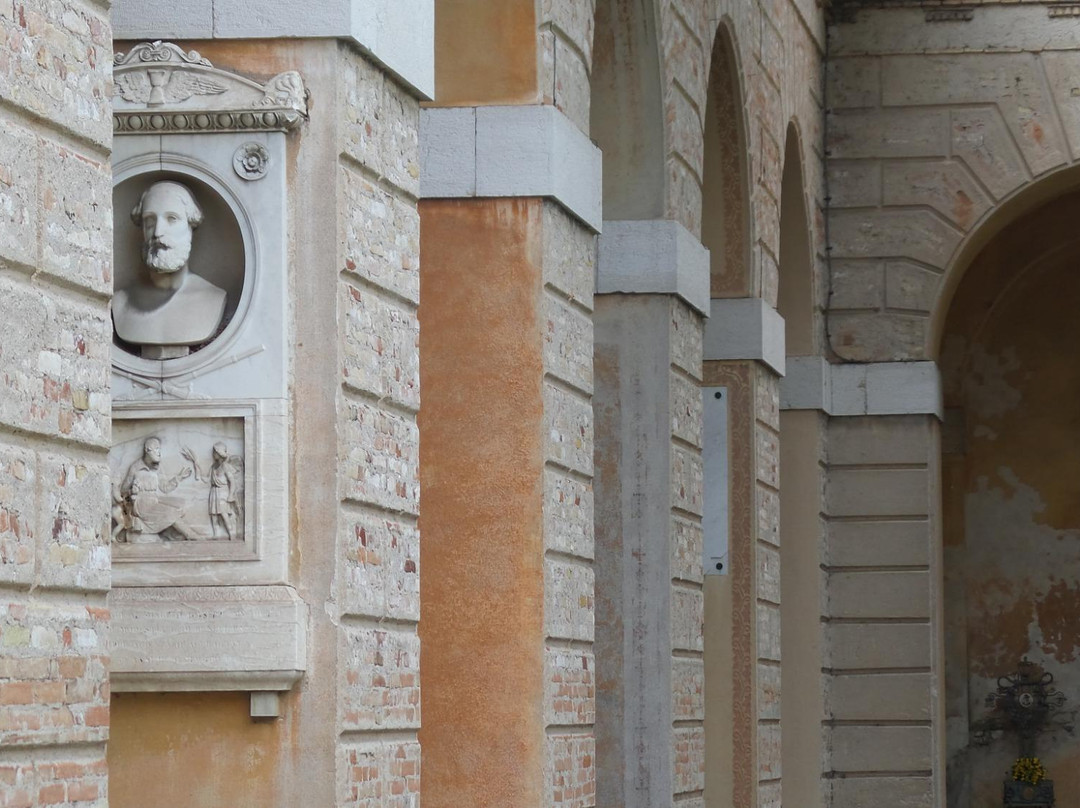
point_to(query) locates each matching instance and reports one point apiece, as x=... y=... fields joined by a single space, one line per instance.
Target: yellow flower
x=1029 y=770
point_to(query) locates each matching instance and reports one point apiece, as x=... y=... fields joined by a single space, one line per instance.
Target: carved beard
x=162 y=256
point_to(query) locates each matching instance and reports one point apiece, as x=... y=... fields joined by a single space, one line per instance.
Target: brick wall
x=569 y=579
x=55 y=283
x=685 y=541
x=377 y=575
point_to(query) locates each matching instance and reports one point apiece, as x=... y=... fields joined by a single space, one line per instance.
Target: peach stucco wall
x=198 y=750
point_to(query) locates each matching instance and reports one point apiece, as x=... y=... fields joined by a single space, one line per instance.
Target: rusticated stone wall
x=55 y=284
x=377 y=575
x=934 y=125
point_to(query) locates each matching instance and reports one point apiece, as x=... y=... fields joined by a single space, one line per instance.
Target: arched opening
x=730 y=522
x=626 y=112
x=1010 y=349
x=801 y=434
x=725 y=214
x=795 y=299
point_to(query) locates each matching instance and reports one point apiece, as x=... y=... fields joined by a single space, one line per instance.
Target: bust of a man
x=169 y=308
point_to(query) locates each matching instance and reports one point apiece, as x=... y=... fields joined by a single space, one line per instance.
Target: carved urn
x=1017 y=792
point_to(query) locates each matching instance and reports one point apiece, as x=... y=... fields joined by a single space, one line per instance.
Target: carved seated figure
x=142 y=512
x=169 y=308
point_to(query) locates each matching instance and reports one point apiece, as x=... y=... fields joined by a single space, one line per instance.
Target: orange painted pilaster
x=482 y=474
x=485 y=52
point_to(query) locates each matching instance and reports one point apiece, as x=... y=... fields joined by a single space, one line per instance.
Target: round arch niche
x=1010 y=358
x=222 y=253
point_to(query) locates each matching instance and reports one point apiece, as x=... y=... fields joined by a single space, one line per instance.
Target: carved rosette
x=251 y=161
x=160 y=88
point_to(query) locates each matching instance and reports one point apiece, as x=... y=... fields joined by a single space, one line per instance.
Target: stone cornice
x=160 y=88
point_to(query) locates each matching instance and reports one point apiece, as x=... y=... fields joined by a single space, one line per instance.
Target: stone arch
x=795 y=296
x=627 y=112
x=801 y=642
x=924 y=154
x=1021 y=202
x=725 y=215
x=1008 y=348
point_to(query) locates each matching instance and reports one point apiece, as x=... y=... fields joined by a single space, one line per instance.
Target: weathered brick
x=379 y=463
x=380 y=679
x=73 y=524
x=687 y=689
x=686 y=409
x=379 y=567
x=379 y=775
x=54 y=365
x=568 y=429
x=54 y=61
x=379 y=236
x=687 y=619
x=569 y=600
x=381 y=340
x=68 y=704
x=18 y=486
x=19 y=196
x=76 y=220
x=687 y=543
x=568 y=514
x=569 y=255
x=686 y=338
x=688 y=759
x=687 y=480
x=570 y=770
x=980 y=139
x=946 y=186
x=570 y=680
x=568 y=342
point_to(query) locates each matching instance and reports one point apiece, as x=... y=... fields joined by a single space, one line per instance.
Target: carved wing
x=184 y=85
x=134 y=86
x=237 y=464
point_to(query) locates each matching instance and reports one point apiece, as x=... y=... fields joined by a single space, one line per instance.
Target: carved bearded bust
x=168 y=308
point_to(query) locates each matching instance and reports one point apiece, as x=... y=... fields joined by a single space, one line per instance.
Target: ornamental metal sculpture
x=1025 y=704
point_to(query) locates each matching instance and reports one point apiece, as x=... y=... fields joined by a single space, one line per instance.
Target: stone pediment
x=161 y=88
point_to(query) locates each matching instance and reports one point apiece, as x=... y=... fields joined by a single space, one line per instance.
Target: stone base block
x=207 y=638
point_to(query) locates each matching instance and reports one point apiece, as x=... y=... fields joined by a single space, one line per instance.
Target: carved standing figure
x=145 y=510
x=169 y=308
x=225 y=489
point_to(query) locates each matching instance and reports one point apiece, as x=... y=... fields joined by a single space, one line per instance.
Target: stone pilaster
x=883 y=664
x=650 y=734
x=376 y=579
x=744 y=352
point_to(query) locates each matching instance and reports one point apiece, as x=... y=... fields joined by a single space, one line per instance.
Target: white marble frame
x=254 y=344
x=261 y=558
x=244 y=370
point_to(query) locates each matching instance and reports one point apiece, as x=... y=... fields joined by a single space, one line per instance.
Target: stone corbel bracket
x=160 y=88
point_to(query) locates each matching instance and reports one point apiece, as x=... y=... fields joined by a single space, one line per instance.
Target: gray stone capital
x=510 y=151
x=877 y=388
x=745 y=328
x=657 y=256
